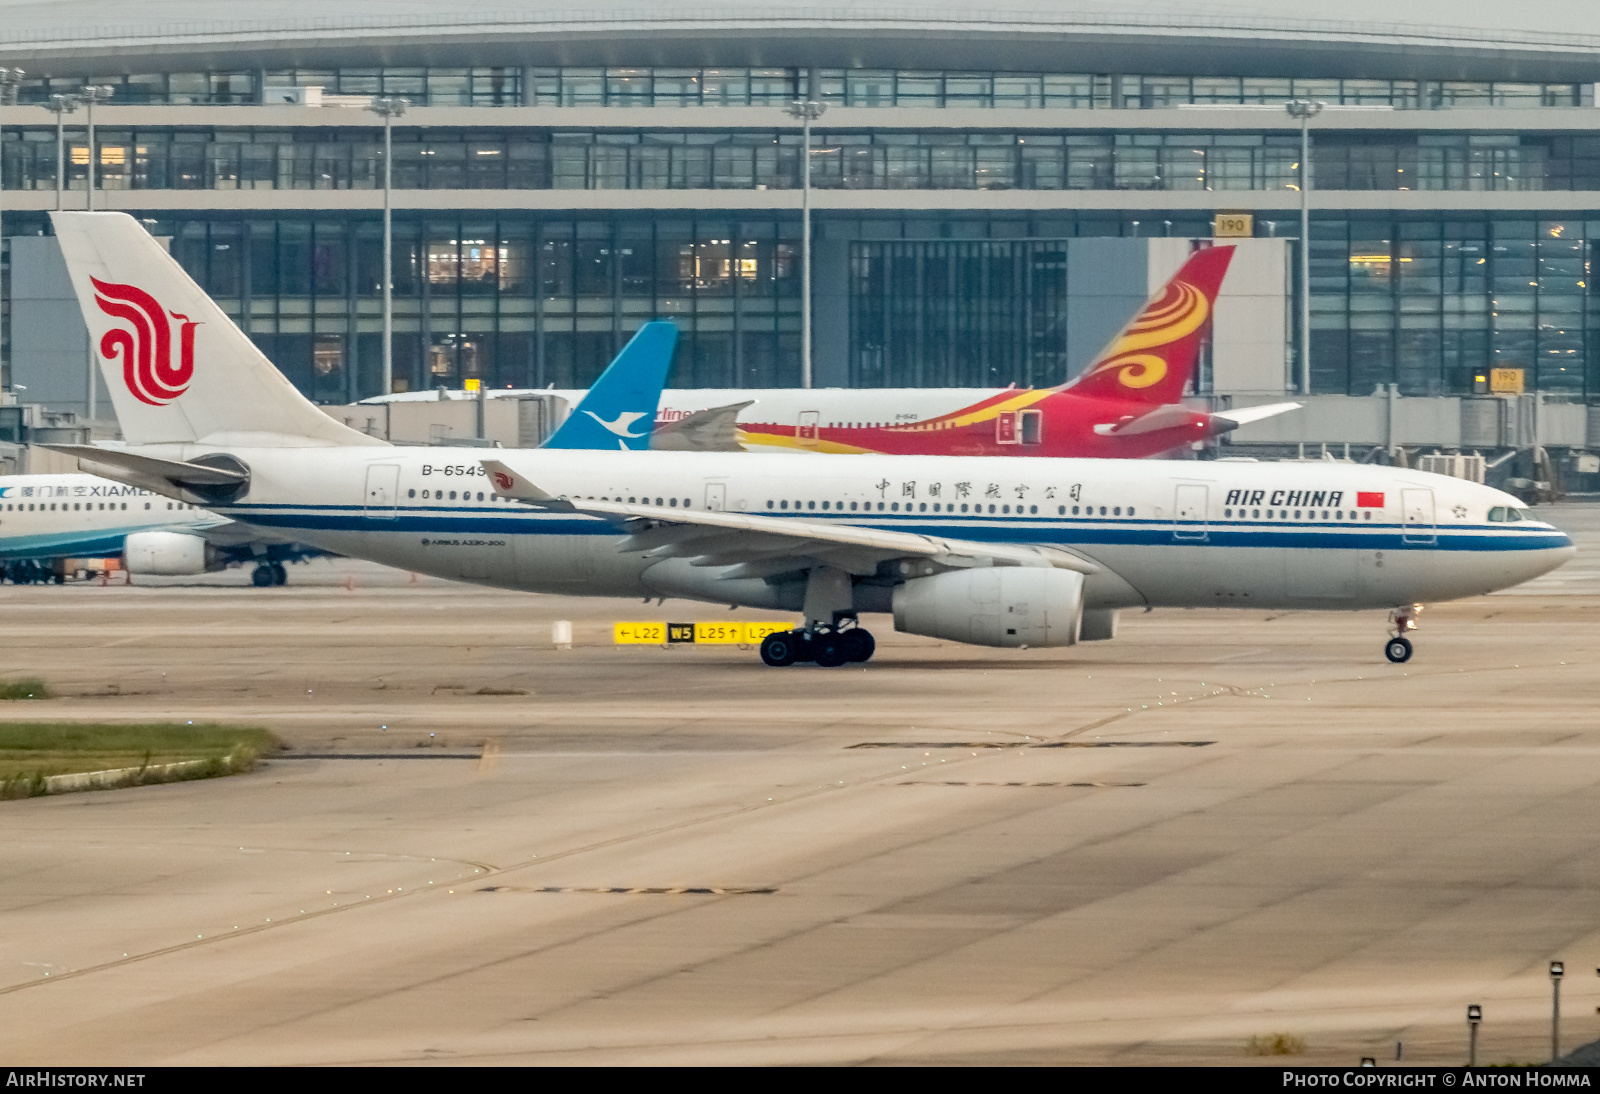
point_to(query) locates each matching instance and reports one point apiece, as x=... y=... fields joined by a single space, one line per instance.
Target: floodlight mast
x=60 y=106
x=388 y=108
x=807 y=110
x=89 y=95
x=9 y=79
x=1305 y=110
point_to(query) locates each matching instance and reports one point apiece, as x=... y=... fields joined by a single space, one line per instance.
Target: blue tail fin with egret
x=620 y=409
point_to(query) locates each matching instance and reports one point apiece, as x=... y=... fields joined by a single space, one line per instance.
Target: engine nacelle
x=167 y=554
x=1009 y=607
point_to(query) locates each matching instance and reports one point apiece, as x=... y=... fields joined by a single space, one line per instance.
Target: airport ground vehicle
x=1002 y=552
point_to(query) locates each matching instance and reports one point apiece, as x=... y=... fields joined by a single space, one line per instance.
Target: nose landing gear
x=1398 y=649
x=828 y=646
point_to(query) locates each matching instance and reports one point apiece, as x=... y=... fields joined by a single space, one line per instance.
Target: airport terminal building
x=984 y=189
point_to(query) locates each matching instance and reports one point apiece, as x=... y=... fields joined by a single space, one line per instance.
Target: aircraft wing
x=241 y=542
x=759 y=546
x=713 y=430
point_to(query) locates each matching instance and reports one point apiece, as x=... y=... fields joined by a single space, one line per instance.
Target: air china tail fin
x=620 y=409
x=178 y=369
x=1153 y=358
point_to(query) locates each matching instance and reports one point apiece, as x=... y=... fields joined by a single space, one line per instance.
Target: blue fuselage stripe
x=428 y=520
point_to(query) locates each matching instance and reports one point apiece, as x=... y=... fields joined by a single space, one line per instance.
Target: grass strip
x=27 y=687
x=32 y=752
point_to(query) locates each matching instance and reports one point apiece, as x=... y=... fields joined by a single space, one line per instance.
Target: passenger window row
x=910 y=507
x=1089 y=510
x=1283 y=514
x=28 y=507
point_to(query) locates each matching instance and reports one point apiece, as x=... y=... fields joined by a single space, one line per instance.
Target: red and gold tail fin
x=1154 y=356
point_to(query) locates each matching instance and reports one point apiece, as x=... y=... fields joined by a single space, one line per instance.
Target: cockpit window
x=1497 y=514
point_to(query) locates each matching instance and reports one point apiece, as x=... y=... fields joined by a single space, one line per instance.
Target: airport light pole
x=60 y=106
x=1305 y=110
x=807 y=110
x=9 y=79
x=388 y=108
x=90 y=95
x=1474 y=1016
x=1557 y=970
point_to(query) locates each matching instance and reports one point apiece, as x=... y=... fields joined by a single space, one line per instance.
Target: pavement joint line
x=952 y=782
x=489 y=870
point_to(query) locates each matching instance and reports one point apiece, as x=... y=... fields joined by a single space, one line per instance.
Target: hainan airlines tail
x=619 y=411
x=178 y=369
x=1153 y=358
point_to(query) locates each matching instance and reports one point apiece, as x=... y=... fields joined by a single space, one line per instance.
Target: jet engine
x=168 y=554
x=1009 y=607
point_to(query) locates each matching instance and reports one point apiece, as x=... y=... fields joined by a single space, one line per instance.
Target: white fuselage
x=84 y=516
x=1306 y=535
x=886 y=406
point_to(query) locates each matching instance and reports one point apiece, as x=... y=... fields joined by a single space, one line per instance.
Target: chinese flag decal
x=1365 y=500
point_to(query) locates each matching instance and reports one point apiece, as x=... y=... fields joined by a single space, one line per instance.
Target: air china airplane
x=1003 y=552
x=44 y=518
x=1125 y=405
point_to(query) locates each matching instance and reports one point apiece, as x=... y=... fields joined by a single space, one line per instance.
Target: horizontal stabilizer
x=190 y=482
x=1166 y=416
x=713 y=430
x=1232 y=419
x=176 y=471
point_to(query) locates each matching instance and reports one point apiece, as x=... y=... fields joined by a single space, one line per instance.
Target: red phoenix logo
x=502 y=480
x=146 y=346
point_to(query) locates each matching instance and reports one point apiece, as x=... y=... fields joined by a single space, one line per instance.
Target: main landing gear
x=268 y=574
x=829 y=647
x=1398 y=649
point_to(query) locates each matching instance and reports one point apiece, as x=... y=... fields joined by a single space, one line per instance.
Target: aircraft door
x=1032 y=426
x=716 y=496
x=805 y=430
x=1190 y=507
x=1418 y=523
x=383 y=487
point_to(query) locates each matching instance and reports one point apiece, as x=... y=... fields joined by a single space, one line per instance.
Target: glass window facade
x=350 y=158
x=855 y=87
x=526 y=300
x=1429 y=304
x=957 y=314
x=515 y=301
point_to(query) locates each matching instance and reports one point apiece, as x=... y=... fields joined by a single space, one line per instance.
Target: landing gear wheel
x=859 y=645
x=779 y=650
x=280 y=576
x=262 y=577
x=1398 y=650
x=828 y=650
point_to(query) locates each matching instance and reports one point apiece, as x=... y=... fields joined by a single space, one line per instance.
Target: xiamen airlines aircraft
x=44 y=518
x=1005 y=552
